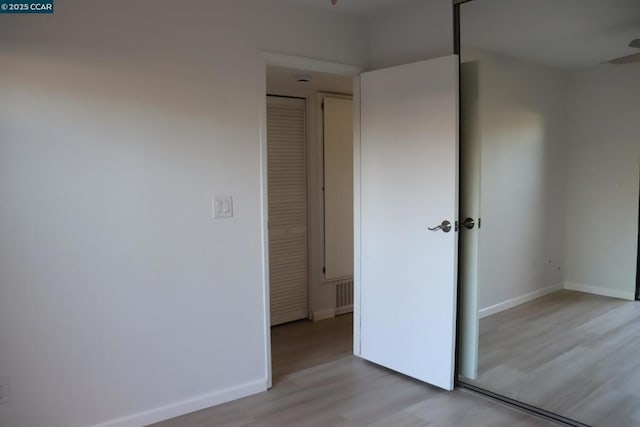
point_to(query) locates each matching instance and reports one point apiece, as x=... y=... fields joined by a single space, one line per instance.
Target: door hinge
x=322 y=105
x=324 y=270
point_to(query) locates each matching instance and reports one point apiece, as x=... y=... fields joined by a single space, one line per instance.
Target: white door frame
x=311 y=65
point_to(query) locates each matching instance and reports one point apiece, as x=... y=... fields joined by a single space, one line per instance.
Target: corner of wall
x=599 y=290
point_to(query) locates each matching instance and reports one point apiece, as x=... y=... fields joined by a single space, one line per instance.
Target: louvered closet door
x=287 y=209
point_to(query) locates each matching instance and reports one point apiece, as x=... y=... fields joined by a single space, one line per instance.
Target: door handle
x=444 y=226
x=469 y=223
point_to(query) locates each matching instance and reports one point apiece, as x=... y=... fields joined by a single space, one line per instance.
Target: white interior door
x=408 y=181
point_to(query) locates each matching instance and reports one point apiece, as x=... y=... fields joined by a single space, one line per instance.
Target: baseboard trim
x=187 y=406
x=344 y=310
x=324 y=314
x=514 y=302
x=605 y=292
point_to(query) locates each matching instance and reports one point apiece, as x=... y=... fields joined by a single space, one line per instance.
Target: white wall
x=421 y=30
x=522 y=137
x=603 y=176
x=338 y=187
x=560 y=180
x=118 y=122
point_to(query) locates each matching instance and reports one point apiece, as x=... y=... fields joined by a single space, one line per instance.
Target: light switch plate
x=222 y=206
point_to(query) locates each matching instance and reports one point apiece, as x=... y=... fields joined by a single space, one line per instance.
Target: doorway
x=310 y=185
x=405 y=138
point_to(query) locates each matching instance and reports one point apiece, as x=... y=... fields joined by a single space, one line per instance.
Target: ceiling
x=567 y=34
x=283 y=81
x=360 y=8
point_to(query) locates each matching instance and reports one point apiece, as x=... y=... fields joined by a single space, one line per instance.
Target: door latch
x=444 y=226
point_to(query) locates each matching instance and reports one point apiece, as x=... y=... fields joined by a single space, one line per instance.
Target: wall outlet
x=4 y=390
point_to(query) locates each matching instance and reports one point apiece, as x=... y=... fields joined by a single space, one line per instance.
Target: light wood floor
x=300 y=345
x=318 y=383
x=571 y=353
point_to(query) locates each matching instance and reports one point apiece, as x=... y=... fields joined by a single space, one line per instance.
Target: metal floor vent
x=344 y=295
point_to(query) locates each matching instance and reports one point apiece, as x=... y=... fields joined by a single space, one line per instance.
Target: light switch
x=222 y=206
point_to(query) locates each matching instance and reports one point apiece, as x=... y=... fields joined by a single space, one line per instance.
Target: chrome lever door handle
x=469 y=223
x=444 y=226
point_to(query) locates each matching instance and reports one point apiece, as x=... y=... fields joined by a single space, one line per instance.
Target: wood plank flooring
x=571 y=353
x=304 y=344
x=318 y=383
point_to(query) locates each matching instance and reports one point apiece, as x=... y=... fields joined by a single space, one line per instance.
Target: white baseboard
x=514 y=302
x=187 y=406
x=324 y=314
x=344 y=310
x=606 y=292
